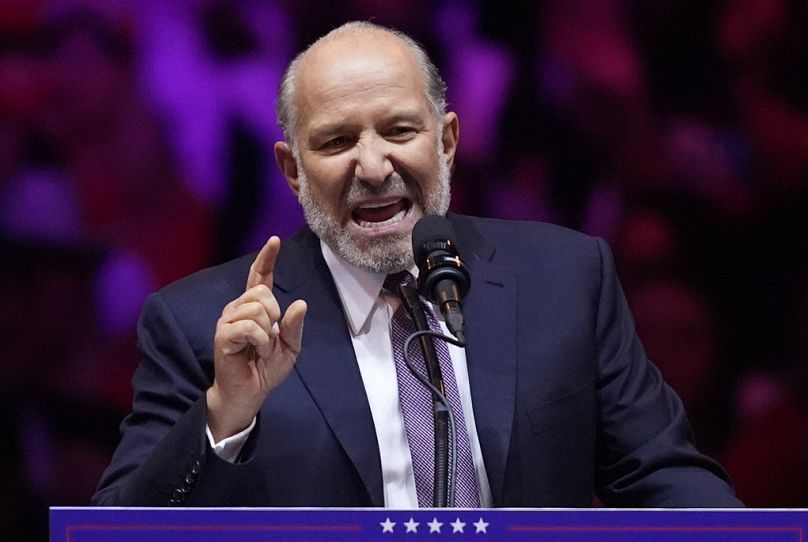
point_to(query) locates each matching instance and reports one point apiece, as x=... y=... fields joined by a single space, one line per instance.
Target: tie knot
x=394 y=280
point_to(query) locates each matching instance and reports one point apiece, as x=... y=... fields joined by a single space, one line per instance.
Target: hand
x=255 y=348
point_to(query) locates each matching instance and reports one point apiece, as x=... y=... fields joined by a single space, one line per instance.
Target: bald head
x=346 y=40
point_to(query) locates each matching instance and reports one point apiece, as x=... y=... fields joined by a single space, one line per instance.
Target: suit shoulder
x=212 y=286
x=526 y=239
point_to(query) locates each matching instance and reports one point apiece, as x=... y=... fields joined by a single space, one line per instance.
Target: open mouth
x=374 y=214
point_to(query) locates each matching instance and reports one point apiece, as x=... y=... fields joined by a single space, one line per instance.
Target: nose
x=373 y=165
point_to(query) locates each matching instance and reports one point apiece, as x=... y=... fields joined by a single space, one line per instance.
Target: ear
x=450 y=137
x=286 y=163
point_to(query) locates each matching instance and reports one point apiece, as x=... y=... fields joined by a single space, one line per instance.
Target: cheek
x=422 y=162
x=326 y=185
x=429 y=178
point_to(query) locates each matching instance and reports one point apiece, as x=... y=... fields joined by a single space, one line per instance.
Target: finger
x=256 y=294
x=291 y=328
x=237 y=336
x=262 y=295
x=262 y=269
x=254 y=311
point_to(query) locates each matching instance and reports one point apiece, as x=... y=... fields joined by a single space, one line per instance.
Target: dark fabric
x=565 y=402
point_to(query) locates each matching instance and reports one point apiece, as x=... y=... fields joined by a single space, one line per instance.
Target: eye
x=401 y=133
x=335 y=143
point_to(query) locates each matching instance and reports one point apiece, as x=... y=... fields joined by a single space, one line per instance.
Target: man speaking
x=280 y=379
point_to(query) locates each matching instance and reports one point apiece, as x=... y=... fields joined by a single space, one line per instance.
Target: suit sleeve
x=645 y=451
x=164 y=457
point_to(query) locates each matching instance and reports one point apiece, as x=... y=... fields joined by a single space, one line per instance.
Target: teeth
x=395 y=218
x=372 y=205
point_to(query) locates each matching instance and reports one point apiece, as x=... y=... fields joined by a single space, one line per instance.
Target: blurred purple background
x=135 y=148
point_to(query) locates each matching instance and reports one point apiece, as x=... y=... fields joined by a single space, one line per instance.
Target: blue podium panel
x=380 y=525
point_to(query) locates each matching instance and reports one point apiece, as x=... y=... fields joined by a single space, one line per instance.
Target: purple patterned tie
x=416 y=407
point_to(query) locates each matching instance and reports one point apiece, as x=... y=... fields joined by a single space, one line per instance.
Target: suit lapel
x=490 y=310
x=327 y=362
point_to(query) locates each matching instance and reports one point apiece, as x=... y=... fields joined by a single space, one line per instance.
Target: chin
x=382 y=254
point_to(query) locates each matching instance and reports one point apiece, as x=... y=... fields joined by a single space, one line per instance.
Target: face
x=371 y=157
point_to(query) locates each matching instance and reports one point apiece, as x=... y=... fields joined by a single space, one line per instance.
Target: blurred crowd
x=135 y=148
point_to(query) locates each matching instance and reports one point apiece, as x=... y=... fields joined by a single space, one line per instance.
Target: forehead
x=355 y=71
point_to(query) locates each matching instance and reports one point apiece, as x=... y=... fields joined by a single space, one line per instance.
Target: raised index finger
x=263 y=268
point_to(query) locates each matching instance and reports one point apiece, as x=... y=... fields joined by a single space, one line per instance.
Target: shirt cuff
x=229 y=448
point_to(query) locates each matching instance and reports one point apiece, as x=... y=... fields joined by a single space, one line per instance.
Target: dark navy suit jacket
x=566 y=404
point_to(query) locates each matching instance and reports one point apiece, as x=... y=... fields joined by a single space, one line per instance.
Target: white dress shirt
x=369 y=310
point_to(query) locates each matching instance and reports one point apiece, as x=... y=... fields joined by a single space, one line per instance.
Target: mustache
x=393 y=186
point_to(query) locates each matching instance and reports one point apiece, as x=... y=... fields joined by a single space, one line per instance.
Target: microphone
x=442 y=277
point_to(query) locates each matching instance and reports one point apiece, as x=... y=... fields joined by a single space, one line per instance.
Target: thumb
x=291 y=328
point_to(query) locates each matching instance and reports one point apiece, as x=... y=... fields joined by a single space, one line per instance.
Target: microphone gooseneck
x=443 y=490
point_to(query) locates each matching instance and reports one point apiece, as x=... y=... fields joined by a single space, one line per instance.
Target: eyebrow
x=406 y=116
x=396 y=117
x=327 y=128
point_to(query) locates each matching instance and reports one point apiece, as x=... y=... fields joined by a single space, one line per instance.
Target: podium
x=380 y=525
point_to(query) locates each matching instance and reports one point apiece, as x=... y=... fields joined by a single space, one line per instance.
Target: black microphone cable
x=447 y=409
x=440 y=409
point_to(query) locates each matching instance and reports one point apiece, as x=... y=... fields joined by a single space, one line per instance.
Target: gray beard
x=387 y=254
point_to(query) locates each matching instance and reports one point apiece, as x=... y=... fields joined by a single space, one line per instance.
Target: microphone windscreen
x=428 y=231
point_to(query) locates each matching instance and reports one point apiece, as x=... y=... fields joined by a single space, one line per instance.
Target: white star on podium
x=457 y=526
x=481 y=526
x=435 y=525
x=412 y=526
x=387 y=525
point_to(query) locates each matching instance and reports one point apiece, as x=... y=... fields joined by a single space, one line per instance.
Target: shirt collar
x=358 y=288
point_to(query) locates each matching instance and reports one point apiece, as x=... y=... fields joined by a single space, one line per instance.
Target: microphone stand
x=442 y=496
